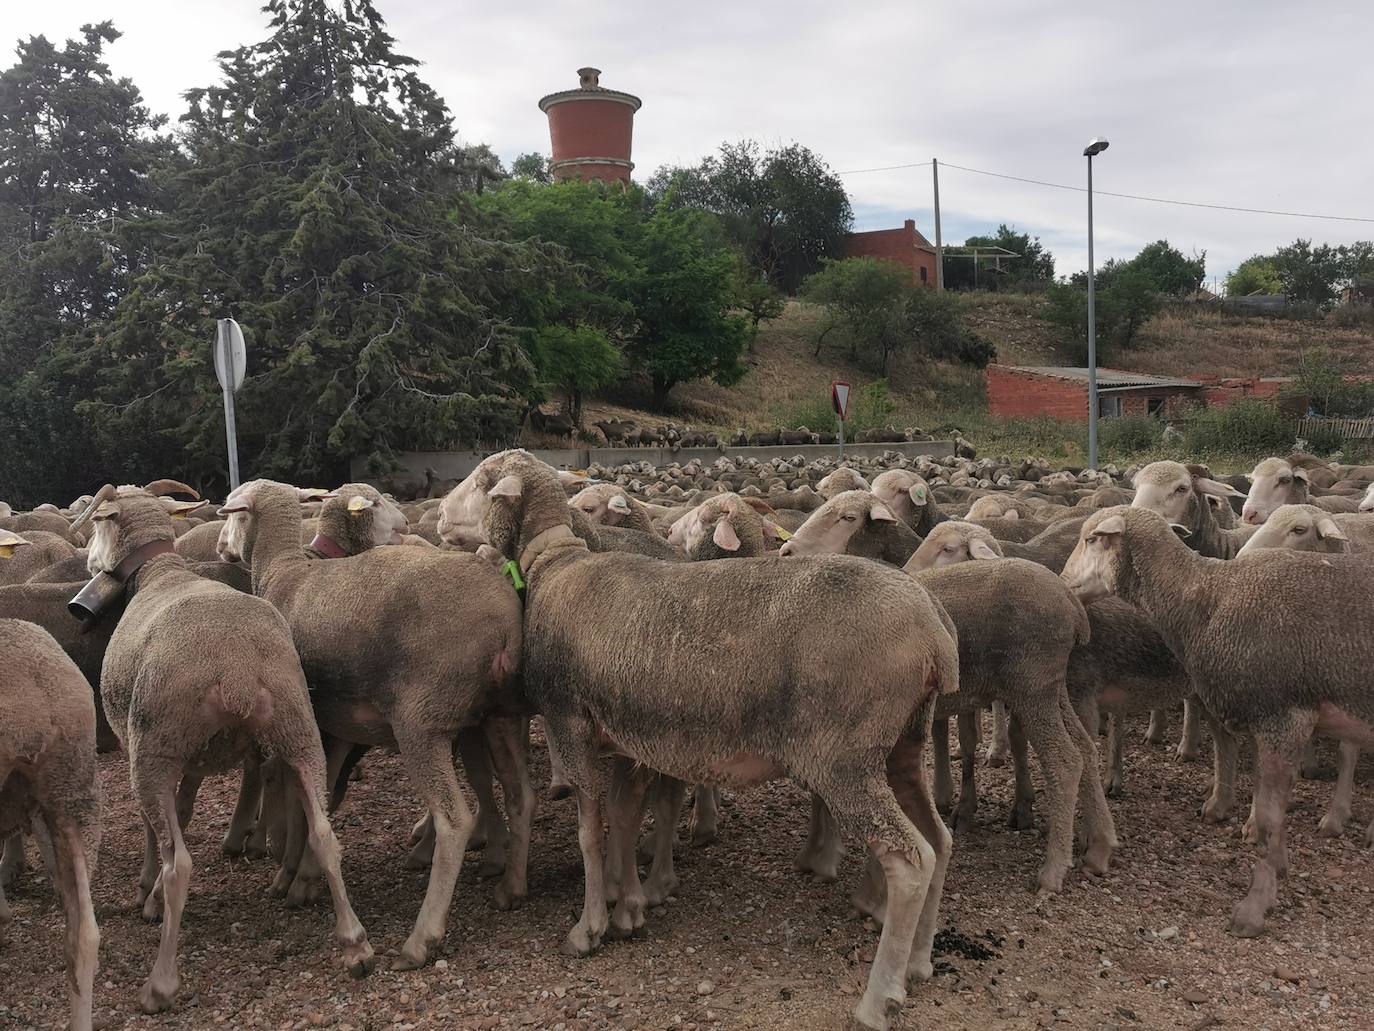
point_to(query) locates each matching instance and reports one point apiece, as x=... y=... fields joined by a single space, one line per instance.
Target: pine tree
x=320 y=205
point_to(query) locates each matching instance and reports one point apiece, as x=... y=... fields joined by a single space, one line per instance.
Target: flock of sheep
x=264 y=637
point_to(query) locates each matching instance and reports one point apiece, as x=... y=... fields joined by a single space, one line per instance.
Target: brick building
x=590 y=129
x=905 y=246
x=1018 y=392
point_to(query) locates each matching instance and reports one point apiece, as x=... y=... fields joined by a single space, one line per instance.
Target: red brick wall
x=897 y=245
x=1021 y=395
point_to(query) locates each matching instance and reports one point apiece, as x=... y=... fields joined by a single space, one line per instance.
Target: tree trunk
x=661 y=387
x=575 y=405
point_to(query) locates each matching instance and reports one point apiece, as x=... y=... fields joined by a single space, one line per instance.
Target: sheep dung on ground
x=672 y=703
x=48 y=774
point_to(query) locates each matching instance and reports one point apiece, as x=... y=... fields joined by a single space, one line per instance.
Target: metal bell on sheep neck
x=104 y=590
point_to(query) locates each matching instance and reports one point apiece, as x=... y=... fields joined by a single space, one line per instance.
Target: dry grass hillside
x=789 y=385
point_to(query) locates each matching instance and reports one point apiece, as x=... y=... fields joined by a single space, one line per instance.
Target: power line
x=1160 y=200
x=884 y=168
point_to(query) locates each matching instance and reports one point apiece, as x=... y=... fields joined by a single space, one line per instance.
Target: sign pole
x=839 y=399
x=231 y=362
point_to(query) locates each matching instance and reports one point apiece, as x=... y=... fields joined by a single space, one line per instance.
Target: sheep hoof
x=582 y=940
x=996 y=759
x=656 y=891
x=1049 y=881
x=702 y=836
x=156 y=998
x=152 y=908
x=1115 y=789
x=412 y=956
x=359 y=960
x=1214 y=811
x=874 y=1014
x=1332 y=826
x=235 y=845
x=1097 y=860
x=254 y=851
x=1021 y=817
x=962 y=817
x=506 y=898
x=1245 y=923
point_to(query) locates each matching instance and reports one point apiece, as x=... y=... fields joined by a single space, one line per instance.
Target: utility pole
x=939 y=240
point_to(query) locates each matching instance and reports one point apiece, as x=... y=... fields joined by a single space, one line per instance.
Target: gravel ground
x=747 y=942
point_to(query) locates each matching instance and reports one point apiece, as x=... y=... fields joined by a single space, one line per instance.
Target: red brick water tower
x=590 y=128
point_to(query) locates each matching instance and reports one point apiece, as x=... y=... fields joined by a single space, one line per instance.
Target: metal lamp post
x=1095 y=146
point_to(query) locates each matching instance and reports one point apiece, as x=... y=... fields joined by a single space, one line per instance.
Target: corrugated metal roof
x=1107 y=379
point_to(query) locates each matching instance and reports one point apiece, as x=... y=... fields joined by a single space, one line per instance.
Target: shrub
x=1129 y=433
x=1249 y=426
x=1323 y=440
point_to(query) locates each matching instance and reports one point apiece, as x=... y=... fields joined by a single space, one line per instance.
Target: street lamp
x=1095 y=146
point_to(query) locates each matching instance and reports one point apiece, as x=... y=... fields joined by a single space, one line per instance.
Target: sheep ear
x=1327 y=530
x=620 y=504
x=917 y=493
x=181 y=509
x=1111 y=526
x=9 y=539
x=1180 y=531
x=239 y=504
x=982 y=550
x=880 y=513
x=725 y=537
x=760 y=506
x=507 y=487
x=1011 y=514
x=313 y=494
x=107 y=510
x=1206 y=485
x=1302 y=474
x=359 y=504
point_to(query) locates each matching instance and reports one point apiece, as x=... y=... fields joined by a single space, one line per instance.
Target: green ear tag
x=512 y=570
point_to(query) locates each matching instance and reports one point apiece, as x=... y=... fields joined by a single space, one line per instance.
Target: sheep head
x=241 y=509
x=1274 y=482
x=509 y=499
x=359 y=517
x=903 y=491
x=952 y=542
x=1298 y=528
x=1174 y=490
x=829 y=529
x=125 y=519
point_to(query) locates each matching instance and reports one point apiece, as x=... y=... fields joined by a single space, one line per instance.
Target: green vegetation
x=1035 y=265
x=1307 y=274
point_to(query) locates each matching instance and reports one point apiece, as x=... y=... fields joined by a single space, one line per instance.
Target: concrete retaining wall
x=454 y=465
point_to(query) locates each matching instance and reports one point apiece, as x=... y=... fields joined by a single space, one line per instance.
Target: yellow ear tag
x=6 y=551
x=178 y=515
x=782 y=534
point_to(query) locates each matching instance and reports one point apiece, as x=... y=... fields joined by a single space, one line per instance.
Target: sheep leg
x=1191 y=738
x=150 y=876
x=1000 y=744
x=908 y=864
x=508 y=740
x=1333 y=823
x=477 y=764
x=1225 y=754
x=558 y=780
x=268 y=836
x=1278 y=752
x=586 y=935
x=159 y=803
x=701 y=828
x=824 y=847
x=906 y=775
x=944 y=781
x=242 y=823
x=1310 y=768
x=12 y=861
x=71 y=871
x=1062 y=766
x=625 y=809
x=1158 y=729
x=968 y=754
x=668 y=795
x=305 y=886
x=294 y=845
x=1116 y=764
x=324 y=848
x=1099 y=829
x=1022 y=815
x=429 y=763
x=186 y=800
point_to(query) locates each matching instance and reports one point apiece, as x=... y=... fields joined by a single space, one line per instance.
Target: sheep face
x=1298 y=528
x=953 y=542
x=1273 y=483
x=1170 y=489
x=385 y=523
x=990 y=507
x=902 y=491
x=126 y=520
x=828 y=530
x=1091 y=571
x=604 y=504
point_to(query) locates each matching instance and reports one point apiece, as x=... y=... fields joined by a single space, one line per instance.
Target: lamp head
x=1095 y=146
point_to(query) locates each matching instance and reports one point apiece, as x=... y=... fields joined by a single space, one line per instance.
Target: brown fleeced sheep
x=1274 y=644
x=1016 y=632
x=440 y=655
x=233 y=693
x=24 y=556
x=48 y=778
x=852 y=728
x=606 y=504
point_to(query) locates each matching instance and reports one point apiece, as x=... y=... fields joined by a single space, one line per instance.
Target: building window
x=1108 y=407
x=1154 y=406
x=923 y=273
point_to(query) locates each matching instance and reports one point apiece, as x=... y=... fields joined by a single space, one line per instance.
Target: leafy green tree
x=1035 y=264
x=576 y=360
x=929 y=322
x=1309 y=274
x=784 y=209
x=321 y=206
x=683 y=305
x=79 y=153
x=534 y=167
x=757 y=298
x=1123 y=306
x=859 y=296
x=1256 y=275
x=1168 y=271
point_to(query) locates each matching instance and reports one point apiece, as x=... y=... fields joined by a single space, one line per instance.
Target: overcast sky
x=1241 y=102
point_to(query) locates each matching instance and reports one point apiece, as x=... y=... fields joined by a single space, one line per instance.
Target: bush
x=1323 y=440
x=1249 y=427
x=1130 y=433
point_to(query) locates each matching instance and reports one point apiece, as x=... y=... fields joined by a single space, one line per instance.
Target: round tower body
x=590 y=129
